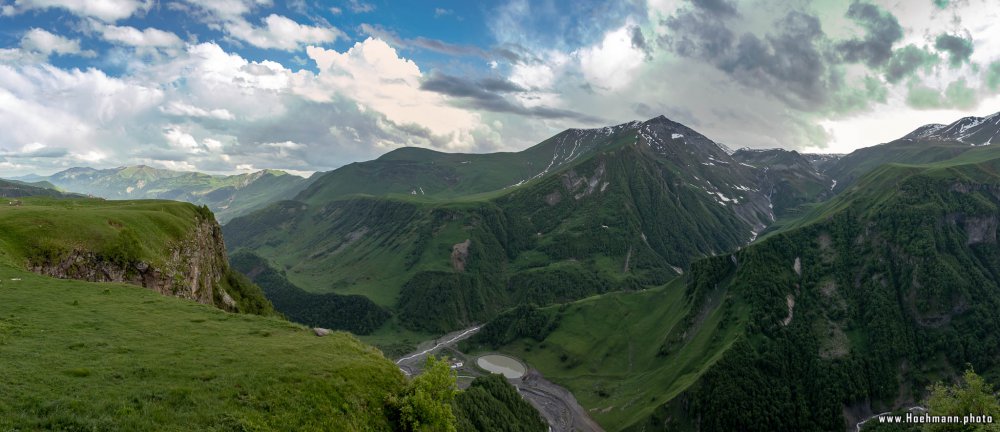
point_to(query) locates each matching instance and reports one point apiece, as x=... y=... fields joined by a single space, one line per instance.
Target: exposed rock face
x=981 y=229
x=460 y=255
x=194 y=268
x=572 y=182
x=790 y=302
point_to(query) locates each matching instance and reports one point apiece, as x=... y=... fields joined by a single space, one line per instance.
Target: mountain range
x=226 y=196
x=584 y=212
x=653 y=211
x=667 y=282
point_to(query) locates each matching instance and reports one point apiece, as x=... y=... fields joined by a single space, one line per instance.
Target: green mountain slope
x=927 y=144
x=19 y=189
x=855 y=309
x=608 y=349
x=436 y=175
x=353 y=313
x=631 y=212
x=226 y=196
x=898 y=288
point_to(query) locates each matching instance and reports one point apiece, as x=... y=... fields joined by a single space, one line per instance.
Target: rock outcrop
x=194 y=268
x=460 y=255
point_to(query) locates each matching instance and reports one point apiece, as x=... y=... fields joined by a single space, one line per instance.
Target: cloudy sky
x=234 y=85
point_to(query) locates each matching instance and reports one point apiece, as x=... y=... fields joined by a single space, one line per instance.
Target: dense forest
x=353 y=313
x=889 y=292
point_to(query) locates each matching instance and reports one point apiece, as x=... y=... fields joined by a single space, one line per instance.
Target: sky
x=229 y=86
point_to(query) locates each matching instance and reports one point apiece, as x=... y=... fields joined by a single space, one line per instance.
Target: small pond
x=500 y=364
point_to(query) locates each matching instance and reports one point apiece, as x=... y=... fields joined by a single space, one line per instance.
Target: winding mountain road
x=409 y=363
x=557 y=405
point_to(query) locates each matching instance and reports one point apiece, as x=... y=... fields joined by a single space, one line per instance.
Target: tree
x=971 y=396
x=425 y=403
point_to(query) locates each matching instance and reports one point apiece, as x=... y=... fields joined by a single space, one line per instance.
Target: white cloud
x=277 y=31
x=359 y=6
x=180 y=140
x=227 y=10
x=613 y=63
x=182 y=109
x=72 y=109
x=373 y=74
x=213 y=145
x=287 y=145
x=282 y=33
x=90 y=156
x=212 y=110
x=146 y=38
x=533 y=75
x=105 y=10
x=45 y=43
x=175 y=165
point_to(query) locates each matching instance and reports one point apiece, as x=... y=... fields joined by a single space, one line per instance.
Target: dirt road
x=557 y=405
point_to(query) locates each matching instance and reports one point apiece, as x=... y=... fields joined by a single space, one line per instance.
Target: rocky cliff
x=195 y=267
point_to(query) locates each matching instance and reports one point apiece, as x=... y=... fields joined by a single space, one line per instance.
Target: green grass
x=605 y=347
x=87 y=356
x=91 y=224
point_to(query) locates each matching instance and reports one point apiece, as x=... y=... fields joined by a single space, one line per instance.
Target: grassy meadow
x=89 y=356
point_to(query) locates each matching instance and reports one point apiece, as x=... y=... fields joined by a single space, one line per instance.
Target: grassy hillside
x=116 y=240
x=927 y=144
x=86 y=356
x=45 y=225
x=853 y=166
x=609 y=350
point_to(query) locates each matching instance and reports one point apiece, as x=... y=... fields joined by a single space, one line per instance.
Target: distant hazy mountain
x=226 y=196
x=970 y=130
x=20 y=189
